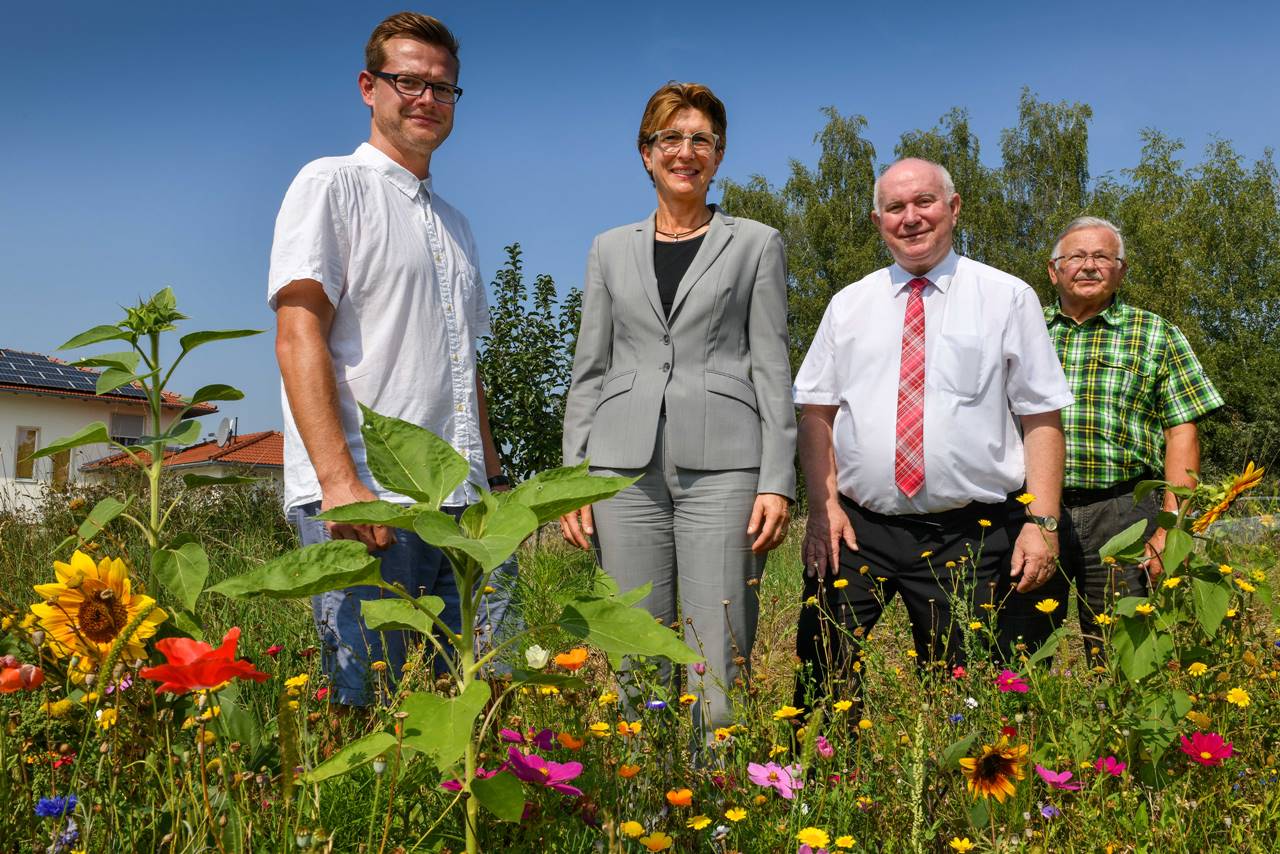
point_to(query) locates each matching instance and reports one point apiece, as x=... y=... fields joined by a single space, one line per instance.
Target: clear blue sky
x=147 y=144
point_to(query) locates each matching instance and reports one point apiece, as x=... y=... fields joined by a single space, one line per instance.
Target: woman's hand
x=577 y=527
x=769 y=517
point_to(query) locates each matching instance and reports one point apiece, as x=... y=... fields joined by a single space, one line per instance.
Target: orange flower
x=626 y=771
x=625 y=728
x=568 y=740
x=1246 y=480
x=573 y=659
x=680 y=797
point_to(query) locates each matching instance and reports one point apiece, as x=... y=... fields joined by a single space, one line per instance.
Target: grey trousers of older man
x=685 y=532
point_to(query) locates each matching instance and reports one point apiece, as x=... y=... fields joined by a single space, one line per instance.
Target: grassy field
x=213 y=773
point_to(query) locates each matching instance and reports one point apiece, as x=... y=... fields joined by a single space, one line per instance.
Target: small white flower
x=970 y=702
x=536 y=657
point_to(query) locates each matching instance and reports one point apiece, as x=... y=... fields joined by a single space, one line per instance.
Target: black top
x=671 y=261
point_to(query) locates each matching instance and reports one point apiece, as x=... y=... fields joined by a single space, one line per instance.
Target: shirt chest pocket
x=1124 y=378
x=956 y=366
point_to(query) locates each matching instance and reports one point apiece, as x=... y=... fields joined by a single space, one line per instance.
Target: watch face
x=1049 y=523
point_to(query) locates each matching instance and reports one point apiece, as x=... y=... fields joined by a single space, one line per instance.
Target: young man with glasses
x=1138 y=392
x=378 y=301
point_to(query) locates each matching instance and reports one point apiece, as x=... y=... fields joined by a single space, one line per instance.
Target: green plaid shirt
x=1133 y=376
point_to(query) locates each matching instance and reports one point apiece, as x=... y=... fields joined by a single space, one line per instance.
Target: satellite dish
x=225 y=432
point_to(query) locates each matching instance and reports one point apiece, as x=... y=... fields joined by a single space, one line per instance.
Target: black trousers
x=967 y=567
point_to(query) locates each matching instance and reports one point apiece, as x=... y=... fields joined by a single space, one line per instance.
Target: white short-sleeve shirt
x=988 y=359
x=398 y=264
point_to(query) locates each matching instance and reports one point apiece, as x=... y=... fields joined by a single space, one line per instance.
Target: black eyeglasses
x=407 y=84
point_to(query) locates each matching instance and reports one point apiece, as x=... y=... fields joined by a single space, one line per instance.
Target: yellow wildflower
x=607 y=699
x=1145 y=608
x=631 y=829
x=1103 y=620
x=1026 y=498
x=1197 y=668
x=735 y=814
x=1172 y=582
x=840 y=583
x=786 y=713
x=698 y=822
x=688 y=699
x=842 y=705
x=1047 y=606
x=1238 y=697
x=865 y=723
x=813 y=837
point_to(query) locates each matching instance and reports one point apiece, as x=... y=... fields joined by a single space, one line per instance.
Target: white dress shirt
x=398 y=264
x=988 y=358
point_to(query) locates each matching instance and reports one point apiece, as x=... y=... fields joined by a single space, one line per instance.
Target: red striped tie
x=908 y=460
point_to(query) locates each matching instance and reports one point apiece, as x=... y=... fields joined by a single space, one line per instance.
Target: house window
x=27 y=444
x=62 y=467
x=126 y=429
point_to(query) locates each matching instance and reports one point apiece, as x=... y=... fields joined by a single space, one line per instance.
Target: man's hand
x=770 y=516
x=1155 y=548
x=1034 y=557
x=374 y=537
x=577 y=527
x=823 y=534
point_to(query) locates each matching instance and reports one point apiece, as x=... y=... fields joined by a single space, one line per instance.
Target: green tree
x=526 y=364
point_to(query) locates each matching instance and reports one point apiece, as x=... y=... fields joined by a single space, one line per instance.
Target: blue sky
x=147 y=144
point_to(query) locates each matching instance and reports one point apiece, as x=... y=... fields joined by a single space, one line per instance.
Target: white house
x=43 y=399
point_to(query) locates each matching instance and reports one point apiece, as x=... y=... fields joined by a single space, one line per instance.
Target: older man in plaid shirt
x=1138 y=391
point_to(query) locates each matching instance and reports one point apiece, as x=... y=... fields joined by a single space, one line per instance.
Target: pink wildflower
x=773 y=776
x=1110 y=765
x=1057 y=779
x=1009 y=681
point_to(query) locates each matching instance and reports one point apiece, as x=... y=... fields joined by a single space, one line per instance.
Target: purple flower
x=56 y=807
x=1050 y=811
x=456 y=785
x=824 y=748
x=655 y=705
x=1057 y=779
x=805 y=849
x=773 y=776
x=532 y=768
x=700 y=668
x=1110 y=765
x=544 y=740
x=955 y=719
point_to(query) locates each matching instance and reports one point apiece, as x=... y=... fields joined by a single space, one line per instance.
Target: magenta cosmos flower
x=1110 y=765
x=1207 y=748
x=481 y=774
x=532 y=768
x=1009 y=681
x=545 y=739
x=773 y=776
x=1057 y=779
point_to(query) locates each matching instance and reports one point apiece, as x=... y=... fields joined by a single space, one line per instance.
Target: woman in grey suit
x=681 y=377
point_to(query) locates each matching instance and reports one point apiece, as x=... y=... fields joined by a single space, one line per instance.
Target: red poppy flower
x=274 y=650
x=19 y=677
x=196 y=666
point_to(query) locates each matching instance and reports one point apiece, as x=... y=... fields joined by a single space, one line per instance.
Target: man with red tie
x=929 y=406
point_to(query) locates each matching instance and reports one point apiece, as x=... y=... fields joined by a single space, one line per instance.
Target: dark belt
x=943 y=519
x=1072 y=497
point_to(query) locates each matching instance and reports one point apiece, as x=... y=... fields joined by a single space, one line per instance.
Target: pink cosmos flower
x=481 y=774
x=1110 y=765
x=532 y=768
x=544 y=740
x=1057 y=779
x=824 y=748
x=773 y=776
x=1207 y=748
x=1009 y=681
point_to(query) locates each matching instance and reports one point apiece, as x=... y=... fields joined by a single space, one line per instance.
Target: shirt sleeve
x=311 y=240
x=818 y=382
x=1186 y=393
x=1035 y=382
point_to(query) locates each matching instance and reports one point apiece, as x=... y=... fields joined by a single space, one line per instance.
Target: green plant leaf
x=371 y=513
x=1145 y=488
x=195 y=481
x=442 y=726
x=309 y=570
x=1127 y=545
x=192 y=340
x=505 y=528
x=92 y=434
x=1050 y=646
x=125 y=360
x=217 y=391
x=501 y=795
x=552 y=493
x=563 y=681
x=620 y=629
x=236 y=722
x=1178 y=545
x=187 y=622
x=112 y=378
x=956 y=750
x=95 y=335
x=394 y=614
x=183 y=569
x=410 y=460
x=1211 y=600
x=1139 y=647
x=360 y=752
x=102 y=514
x=501 y=528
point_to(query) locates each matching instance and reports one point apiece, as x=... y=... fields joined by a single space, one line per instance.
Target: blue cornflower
x=1050 y=811
x=655 y=705
x=56 y=807
x=955 y=719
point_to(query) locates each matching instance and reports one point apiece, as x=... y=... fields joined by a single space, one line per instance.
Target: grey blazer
x=720 y=362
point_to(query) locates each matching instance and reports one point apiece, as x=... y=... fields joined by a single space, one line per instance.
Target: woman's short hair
x=674 y=97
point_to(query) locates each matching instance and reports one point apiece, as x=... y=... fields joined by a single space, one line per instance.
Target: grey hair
x=948 y=186
x=1089 y=222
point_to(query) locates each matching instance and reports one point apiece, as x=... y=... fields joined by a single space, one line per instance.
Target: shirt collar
x=940 y=276
x=1116 y=314
x=398 y=176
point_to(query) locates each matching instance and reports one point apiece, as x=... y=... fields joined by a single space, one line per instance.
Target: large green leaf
x=1178 y=546
x=216 y=391
x=92 y=434
x=1140 y=648
x=619 y=629
x=1126 y=546
x=236 y=722
x=101 y=514
x=391 y=615
x=1211 y=599
x=126 y=360
x=96 y=335
x=501 y=795
x=360 y=752
x=956 y=750
x=1145 y=488
x=182 y=569
x=183 y=432
x=192 y=340
x=309 y=570
x=112 y=378
x=442 y=726
x=1050 y=646
x=563 y=681
x=554 y=492
x=501 y=528
x=371 y=513
x=505 y=528
x=410 y=460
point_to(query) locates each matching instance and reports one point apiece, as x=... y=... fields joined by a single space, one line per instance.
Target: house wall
x=55 y=417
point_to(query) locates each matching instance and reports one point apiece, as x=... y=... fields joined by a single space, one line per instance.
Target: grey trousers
x=685 y=532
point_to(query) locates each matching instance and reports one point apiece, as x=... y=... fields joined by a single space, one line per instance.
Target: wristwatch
x=1049 y=523
x=499 y=480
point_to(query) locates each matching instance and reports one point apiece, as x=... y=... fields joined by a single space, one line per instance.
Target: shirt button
x=439 y=257
x=666 y=366
x=461 y=407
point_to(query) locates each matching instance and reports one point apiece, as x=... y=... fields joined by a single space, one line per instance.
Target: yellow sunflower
x=90 y=607
x=1246 y=480
x=991 y=774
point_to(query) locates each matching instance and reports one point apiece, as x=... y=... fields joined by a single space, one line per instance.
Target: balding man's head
x=916 y=210
x=947 y=186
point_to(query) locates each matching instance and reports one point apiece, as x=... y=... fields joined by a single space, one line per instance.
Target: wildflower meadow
x=161 y=688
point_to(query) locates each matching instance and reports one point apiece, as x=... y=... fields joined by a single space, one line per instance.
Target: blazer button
x=666 y=339
x=666 y=366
